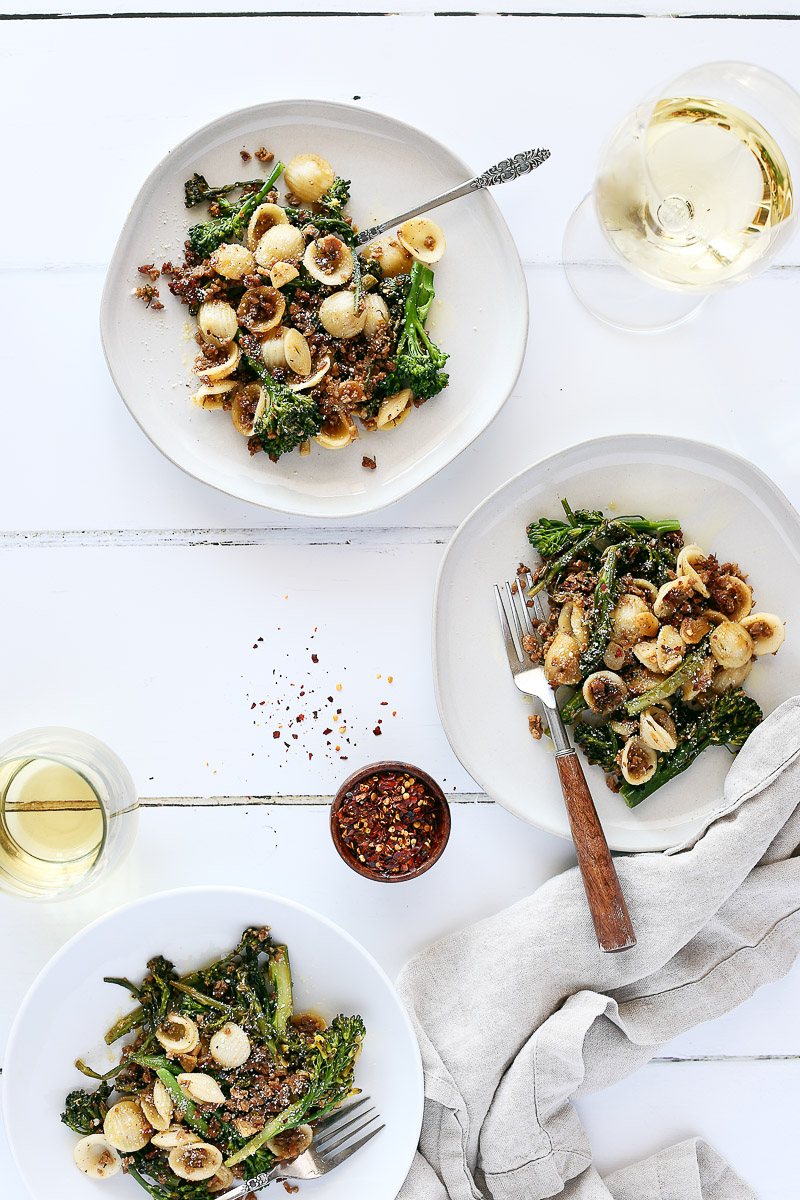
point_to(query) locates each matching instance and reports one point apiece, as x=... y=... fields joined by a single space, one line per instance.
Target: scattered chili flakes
x=377 y=731
x=389 y=822
x=315 y=658
x=276 y=733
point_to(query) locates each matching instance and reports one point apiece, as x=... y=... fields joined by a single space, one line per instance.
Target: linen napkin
x=521 y=1012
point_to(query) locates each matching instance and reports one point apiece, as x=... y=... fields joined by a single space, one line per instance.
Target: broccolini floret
x=329 y=1058
x=286 y=418
x=728 y=721
x=418 y=362
x=198 y=191
x=336 y=196
x=85 y=1111
x=207 y=236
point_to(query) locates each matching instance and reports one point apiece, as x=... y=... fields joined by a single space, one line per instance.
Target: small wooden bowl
x=442 y=813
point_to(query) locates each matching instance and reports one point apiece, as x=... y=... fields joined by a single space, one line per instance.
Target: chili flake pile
x=390 y=823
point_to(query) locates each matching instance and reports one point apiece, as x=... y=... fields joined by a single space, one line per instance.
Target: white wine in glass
x=68 y=812
x=693 y=193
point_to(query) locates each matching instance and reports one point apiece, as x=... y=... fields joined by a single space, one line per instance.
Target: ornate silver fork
x=330 y=1148
x=509 y=168
x=612 y=924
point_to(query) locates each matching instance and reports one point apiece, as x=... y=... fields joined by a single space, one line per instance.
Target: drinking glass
x=693 y=194
x=68 y=812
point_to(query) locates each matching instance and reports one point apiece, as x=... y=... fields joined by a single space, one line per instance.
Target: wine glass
x=68 y=813
x=693 y=194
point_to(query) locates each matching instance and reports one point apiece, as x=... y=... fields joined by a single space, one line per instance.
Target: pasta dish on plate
x=299 y=337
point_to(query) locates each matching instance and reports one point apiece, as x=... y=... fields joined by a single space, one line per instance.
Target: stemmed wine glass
x=693 y=194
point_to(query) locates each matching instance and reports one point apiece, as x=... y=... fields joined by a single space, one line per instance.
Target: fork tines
x=333 y=1129
x=515 y=615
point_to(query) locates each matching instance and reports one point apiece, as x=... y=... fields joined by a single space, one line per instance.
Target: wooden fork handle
x=606 y=901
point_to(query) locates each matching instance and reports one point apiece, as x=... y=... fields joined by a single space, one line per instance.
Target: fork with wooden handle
x=603 y=892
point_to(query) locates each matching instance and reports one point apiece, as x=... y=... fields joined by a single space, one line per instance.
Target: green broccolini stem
x=682 y=674
x=182 y=1103
x=201 y=997
x=281 y=977
x=555 y=568
x=576 y=704
x=603 y=602
x=290 y=1117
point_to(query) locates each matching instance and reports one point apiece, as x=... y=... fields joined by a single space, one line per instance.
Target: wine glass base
x=609 y=290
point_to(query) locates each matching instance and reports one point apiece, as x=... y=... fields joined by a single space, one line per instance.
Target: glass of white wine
x=693 y=193
x=68 y=812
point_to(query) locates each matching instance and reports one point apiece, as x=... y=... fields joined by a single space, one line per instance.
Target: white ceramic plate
x=724 y=504
x=391 y=166
x=69 y=1008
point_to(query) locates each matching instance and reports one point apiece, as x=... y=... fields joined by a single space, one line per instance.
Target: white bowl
x=724 y=504
x=68 y=1009
x=480 y=315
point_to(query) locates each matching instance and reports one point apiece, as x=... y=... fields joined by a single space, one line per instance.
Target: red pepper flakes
x=277 y=733
x=315 y=658
x=389 y=822
x=377 y=731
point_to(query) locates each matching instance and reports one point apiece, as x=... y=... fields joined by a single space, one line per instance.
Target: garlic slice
x=282 y=273
x=423 y=239
x=647 y=654
x=298 y=352
x=328 y=260
x=201 y=1088
x=767 y=632
x=125 y=1127
x=230 y=1046
x=96 y=1157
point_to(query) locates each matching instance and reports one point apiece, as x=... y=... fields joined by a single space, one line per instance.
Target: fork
x=612 y=924
x=509 y=168
x=330 y=1148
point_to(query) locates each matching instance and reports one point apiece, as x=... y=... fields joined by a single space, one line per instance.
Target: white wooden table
x=133 y=596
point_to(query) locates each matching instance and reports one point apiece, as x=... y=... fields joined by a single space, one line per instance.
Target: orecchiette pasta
x=304 y=332
x=656 y=637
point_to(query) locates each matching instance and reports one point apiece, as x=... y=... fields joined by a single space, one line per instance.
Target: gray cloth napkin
x=522 y=1012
